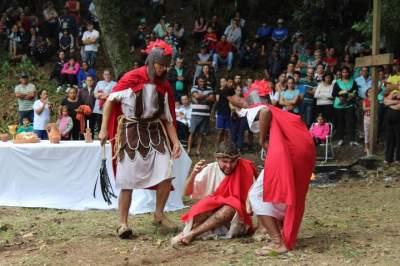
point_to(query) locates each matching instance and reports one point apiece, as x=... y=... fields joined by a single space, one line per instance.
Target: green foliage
x=322 y=19
x=390 y=20
x=364 y=27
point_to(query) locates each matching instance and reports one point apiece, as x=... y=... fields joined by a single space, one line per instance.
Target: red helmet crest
x=161 y=45
x=262 y=87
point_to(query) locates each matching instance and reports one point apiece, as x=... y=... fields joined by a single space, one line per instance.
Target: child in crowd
x=14 y=41
x=66 y=42
x=26 y=126
x=65 y=124
x=367 y=119
x=69 y=72
x=320 y=130
x=181 y=123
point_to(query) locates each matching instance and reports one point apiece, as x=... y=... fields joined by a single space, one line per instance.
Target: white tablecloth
x=63 y=175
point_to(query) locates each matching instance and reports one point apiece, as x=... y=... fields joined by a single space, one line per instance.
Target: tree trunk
x=114 y=38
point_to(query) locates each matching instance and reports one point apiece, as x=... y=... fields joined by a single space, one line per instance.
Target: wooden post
x=376 y=31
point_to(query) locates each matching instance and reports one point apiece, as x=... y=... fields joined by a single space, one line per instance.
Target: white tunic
x=155 y=167
x=207 y=181
x=251 y=114
x=259 y=206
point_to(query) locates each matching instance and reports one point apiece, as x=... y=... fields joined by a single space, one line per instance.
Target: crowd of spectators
x=309 y=77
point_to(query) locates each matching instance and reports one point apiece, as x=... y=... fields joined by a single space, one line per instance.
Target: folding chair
x=328 y=153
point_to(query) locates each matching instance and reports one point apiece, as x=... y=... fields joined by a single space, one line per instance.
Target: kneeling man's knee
x=228 y=209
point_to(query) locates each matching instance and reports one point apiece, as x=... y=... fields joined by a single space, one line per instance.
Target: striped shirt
x=201 y=107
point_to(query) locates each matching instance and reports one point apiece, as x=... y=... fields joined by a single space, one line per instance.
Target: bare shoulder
x=265 y=109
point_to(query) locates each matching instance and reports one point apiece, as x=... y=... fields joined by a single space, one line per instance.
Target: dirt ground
x=355 y=222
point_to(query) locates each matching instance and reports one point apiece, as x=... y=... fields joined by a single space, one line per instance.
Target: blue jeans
x=25 y=114
x=42 y=134
x=238 y=126
x=217 y=60
x=90 y=57
x=307 y=111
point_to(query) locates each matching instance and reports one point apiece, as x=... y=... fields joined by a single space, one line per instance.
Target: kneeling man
x=221 y=188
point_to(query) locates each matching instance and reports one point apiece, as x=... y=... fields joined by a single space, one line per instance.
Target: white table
x=62 y=176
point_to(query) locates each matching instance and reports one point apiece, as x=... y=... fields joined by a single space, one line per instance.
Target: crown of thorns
x=225 y=155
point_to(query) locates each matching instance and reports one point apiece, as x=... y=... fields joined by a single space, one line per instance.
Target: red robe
x=232 y=191
x=289 y=163
x=135 y=80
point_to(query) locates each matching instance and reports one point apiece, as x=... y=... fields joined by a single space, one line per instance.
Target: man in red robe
x=139 y=120
x=279 y=194
x=221 y=188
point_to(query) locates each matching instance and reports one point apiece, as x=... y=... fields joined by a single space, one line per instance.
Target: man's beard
x=222 y=170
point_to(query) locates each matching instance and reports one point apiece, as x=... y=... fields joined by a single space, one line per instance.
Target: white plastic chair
x=329 y=153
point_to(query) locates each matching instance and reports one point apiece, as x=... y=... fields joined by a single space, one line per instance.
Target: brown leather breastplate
x=143 y=134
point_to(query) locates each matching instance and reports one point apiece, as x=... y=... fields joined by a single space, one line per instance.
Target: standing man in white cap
x=26 y=94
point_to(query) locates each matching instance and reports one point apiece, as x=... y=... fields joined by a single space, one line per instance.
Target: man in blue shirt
x=84 y=72
x=307 y=106
x=279 y=34
x=364 y=82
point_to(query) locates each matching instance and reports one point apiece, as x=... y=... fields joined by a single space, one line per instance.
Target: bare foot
x=165 y=223
x=187 y=238
x=177 y=241
x=276 y=247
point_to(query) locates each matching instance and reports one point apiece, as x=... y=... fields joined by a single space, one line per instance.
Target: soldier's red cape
x=288 y=166
x=232 y=191
x=135 y=80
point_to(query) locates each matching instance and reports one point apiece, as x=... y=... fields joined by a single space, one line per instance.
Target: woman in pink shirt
x=320 y=130
x=69 y=72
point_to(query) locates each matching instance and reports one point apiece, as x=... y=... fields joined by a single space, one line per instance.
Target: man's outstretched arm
x=237 y=101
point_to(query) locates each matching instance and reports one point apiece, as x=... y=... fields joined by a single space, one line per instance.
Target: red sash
x=232 y=191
